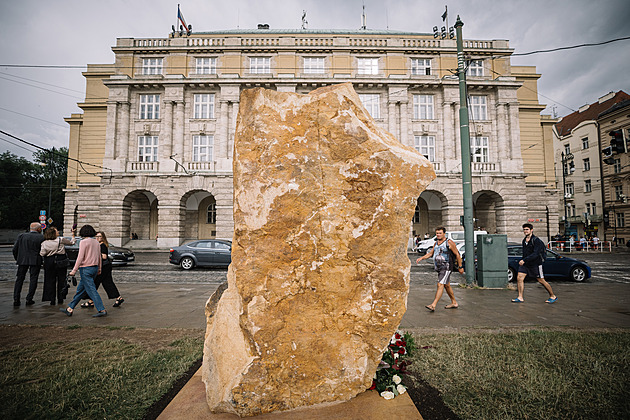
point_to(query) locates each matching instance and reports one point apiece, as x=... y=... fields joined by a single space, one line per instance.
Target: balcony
x=142 y=167
x=576 y=219
x=201 y=166
x=483 y=167
x=595 y=218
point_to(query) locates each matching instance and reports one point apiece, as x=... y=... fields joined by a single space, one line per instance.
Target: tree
x=25 y=187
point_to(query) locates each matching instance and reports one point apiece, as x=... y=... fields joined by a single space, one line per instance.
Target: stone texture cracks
x=319 y=279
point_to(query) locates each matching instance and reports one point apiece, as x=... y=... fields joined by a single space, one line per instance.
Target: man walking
x=531 y=264
x=445 y=255
x=26 y=253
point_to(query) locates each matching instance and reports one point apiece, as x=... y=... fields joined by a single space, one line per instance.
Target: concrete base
x=190 y=403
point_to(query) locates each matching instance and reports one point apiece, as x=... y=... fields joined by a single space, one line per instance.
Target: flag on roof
x=180 y=17
x=445 y=13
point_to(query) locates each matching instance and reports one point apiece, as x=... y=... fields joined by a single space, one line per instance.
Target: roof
x=615 y=107
x=311 y=32
x=568 y=123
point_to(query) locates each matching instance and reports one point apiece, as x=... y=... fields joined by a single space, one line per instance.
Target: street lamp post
x=565 y=159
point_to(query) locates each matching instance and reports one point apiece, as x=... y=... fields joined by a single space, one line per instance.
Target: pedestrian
x=531 y=264
x=595 y=241
x=446 y=258
x=583 y=242
x=105 y=278
x=26 y=254
x=55 y=264
x=89 y=265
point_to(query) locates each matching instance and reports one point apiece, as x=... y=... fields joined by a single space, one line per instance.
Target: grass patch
x=91 y=378
x=536 y=374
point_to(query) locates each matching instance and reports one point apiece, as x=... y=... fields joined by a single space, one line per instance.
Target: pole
x=564 y=191
x=465 y=148
x=50 y=185
x=547 y=218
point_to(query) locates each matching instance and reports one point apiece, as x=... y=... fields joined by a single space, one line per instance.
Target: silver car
x=202 y=253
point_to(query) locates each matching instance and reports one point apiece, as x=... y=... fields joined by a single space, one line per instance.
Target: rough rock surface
x=323 y=200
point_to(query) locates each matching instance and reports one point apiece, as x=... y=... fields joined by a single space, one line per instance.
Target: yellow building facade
x=158 y=125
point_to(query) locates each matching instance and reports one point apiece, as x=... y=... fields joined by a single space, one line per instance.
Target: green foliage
x=394 y=365
x=25 y=187
x=90 y=379
x=538 y=374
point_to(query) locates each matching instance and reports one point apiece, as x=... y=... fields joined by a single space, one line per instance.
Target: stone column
x=448 y=151
x=111 y=129
x=122 y=149
x=391 y=114
x=166 y=133
x=170 y=223
x=230 y=149
x=178 y=132
x=223 y=129
x=503 y=149
x=404 y=123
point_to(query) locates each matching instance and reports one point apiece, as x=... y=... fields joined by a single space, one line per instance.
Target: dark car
x=554 y=266
x=202 y=253
x=117 y=255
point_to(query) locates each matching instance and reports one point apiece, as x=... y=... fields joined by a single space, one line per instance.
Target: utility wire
x=35 y=118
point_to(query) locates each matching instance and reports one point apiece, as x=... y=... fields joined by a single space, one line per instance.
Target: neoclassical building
x=159 y=125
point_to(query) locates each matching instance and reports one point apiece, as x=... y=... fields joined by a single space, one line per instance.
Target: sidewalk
x=155 y=305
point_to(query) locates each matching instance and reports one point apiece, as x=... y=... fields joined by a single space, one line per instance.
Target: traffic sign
x=42 y=218
x=50 y=220
x=42 y=212
x=43 y=225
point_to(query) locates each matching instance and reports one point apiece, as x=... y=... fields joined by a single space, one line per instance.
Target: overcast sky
x=33 y=102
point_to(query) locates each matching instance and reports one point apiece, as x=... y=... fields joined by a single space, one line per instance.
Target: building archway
x=428 y=214
x=200 y=215
x=140 y=215
x=487 y=205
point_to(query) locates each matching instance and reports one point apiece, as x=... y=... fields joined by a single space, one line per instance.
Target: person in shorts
x=531 y=264
x=445 y=263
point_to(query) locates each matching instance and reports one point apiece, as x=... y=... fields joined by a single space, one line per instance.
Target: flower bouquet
x=388 y=378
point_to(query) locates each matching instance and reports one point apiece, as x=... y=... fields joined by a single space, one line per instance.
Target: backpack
x=543 y=256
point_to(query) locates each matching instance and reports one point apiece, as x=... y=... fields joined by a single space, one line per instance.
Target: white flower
x=401 y=389
x=388 y=395
x=395 y=355
x=396 y=379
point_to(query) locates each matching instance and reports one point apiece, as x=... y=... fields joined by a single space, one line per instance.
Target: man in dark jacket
x=26 y=253
x=531 y=264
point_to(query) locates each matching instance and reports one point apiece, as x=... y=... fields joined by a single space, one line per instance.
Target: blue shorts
x=532 y=270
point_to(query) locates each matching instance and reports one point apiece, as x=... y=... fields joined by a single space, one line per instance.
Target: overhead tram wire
x=81 y=163
x=35 y=118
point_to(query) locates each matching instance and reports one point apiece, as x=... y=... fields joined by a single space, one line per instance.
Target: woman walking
x=105 y=278
x=89 y=265
x=55 y=264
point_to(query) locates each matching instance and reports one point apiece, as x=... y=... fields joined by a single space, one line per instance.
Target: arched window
x=212 y=214
x=416 y=215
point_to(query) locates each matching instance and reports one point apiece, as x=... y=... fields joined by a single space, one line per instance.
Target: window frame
x=211 y=214
x=310 y=69
x=620 y=219
x=367 y=66
x=618 y=189
x=211 y=67
x=199 y=103
x=256 y=68
x=429 y=147
x=478 y=108
x=617 y=166
x=587 y=164
x=588 y=187
x=425 y=66
x=153 y=148
x=149 y=109
x=367 y=99
x=585 y=143
x=149 y=69
x=208 y=154
x=569 y=188
x=419 y=106
x=475 y=68
x=485 y=157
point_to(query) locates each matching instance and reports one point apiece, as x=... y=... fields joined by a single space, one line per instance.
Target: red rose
x=397 y=336
x=373 y=384
x=400 y=343
x=401 y=351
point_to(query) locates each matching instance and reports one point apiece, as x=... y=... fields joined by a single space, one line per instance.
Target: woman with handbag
x=55 y=264
x=105 y=278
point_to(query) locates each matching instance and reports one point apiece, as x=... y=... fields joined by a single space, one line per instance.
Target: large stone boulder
x=323 y=201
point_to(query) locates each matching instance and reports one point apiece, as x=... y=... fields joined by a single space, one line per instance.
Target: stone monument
x=323 y=201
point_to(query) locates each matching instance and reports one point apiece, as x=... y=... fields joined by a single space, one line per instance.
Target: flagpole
x=177 y=23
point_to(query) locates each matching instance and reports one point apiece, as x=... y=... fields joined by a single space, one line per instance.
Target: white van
x=457 y=236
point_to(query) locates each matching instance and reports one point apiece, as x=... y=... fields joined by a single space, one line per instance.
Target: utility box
x=492 y=261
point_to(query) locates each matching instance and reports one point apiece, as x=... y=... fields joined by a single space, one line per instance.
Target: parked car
x=202 y=253
x=116 y=254
x=554 y=266
x=457 y=236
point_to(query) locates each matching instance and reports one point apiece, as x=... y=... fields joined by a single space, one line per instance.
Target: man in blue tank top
x=446 y=259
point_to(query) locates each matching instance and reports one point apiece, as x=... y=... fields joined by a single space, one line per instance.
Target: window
x=591 y=208
x=367 y=66
x=569 y=189
x=621 y=219
x=423 y=107
x=617 y=166
x=567 y=149
x=421 y=66
x=585 y=143
x=149 y=107
x=371 y=102
x=314 y=65
x=619 y=192
x=571 y=210
x=204 y=105
x=211 y=213
x=206 y=66
x=416 y=215
x=479 y=149
x=478 y=108
x=587 y=164
x=202 y=148
x=587 y=185
x=475 y=68
x=147 y=148
x=221 y=245
x=425 y=145
x=259 y=65
x=151 y=66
